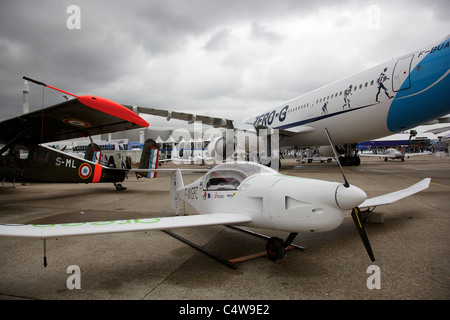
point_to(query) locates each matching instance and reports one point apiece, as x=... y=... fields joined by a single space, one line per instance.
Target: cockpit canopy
x=228 y=176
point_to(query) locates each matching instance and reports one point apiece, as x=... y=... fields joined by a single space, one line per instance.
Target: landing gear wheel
x=348 y=161
x=356 y=161
x=275 y=248
x=119 y=187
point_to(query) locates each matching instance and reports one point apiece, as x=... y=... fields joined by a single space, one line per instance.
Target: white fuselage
x=274 y=201
x=391 y=153
x=391 y=97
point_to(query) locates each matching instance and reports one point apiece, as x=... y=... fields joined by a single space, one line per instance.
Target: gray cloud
x=193 y=55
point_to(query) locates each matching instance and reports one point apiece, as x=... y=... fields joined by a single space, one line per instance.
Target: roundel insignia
x=84 y=171
x=77 y=123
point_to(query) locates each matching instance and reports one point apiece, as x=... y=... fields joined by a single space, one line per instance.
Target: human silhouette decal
x=347 y=93
x=325 y=108
x=381 y=79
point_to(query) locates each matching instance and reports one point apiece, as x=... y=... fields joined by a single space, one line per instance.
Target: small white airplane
x=247 y=194
x=393 y=154
x=391 y=97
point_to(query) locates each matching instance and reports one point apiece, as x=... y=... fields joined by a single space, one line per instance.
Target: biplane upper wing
x=80 y=117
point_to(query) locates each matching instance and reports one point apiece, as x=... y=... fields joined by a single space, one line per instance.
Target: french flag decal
x=153 y=163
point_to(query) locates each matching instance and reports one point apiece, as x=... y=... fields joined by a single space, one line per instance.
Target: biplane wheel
x=119 y=187
x=275 y=248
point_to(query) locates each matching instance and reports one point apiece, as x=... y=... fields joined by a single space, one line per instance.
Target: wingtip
x=113 y=108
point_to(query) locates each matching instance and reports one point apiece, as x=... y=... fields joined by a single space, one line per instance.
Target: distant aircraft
x=23 y=158
x=391 y=97
x=248 y=194
x=393 y=154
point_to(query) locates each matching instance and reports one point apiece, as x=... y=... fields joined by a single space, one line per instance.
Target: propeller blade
x=346 y=184
x=360 y=225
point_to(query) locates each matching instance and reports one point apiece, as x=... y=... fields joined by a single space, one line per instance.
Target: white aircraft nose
x=349 y=198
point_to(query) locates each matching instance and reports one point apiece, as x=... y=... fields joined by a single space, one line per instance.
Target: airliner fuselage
x=388 y=98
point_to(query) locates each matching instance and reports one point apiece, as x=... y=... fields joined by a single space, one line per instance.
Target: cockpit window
x=230 y=176
x=18 y=152
x=224 y=179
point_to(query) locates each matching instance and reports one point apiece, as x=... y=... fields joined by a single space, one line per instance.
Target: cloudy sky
x=223 y=58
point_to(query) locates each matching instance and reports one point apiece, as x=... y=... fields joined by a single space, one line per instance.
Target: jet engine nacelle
x=327 y=151
x=220 y=149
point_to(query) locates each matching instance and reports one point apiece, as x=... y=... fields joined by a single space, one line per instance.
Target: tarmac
x=411 y=246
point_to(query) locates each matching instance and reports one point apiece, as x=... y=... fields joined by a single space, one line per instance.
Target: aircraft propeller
x=356 y=212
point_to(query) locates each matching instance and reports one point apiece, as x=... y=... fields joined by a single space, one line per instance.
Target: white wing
x=190 y=118
x=373 y=155
x=417 y=154
x=388 y=155
x=397 y=195
x=130 y=225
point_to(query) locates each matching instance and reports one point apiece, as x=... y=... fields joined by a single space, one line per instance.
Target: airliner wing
x=189 y=117
x=130 y=225
x=183 y=170
x=397 y=195
x=295 y=130
x=213 y=121
x=81 y=117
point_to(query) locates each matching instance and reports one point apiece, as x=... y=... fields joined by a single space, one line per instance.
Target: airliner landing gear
x=350 y=158
x=349 y=161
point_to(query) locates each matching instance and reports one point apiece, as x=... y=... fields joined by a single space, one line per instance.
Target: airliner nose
x=349 y=198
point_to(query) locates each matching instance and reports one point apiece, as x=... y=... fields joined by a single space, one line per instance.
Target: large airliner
x=394 y=96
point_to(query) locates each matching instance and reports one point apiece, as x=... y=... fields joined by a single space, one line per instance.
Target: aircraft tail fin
x=93 y=153
x=176 y=183
x=149 y=158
